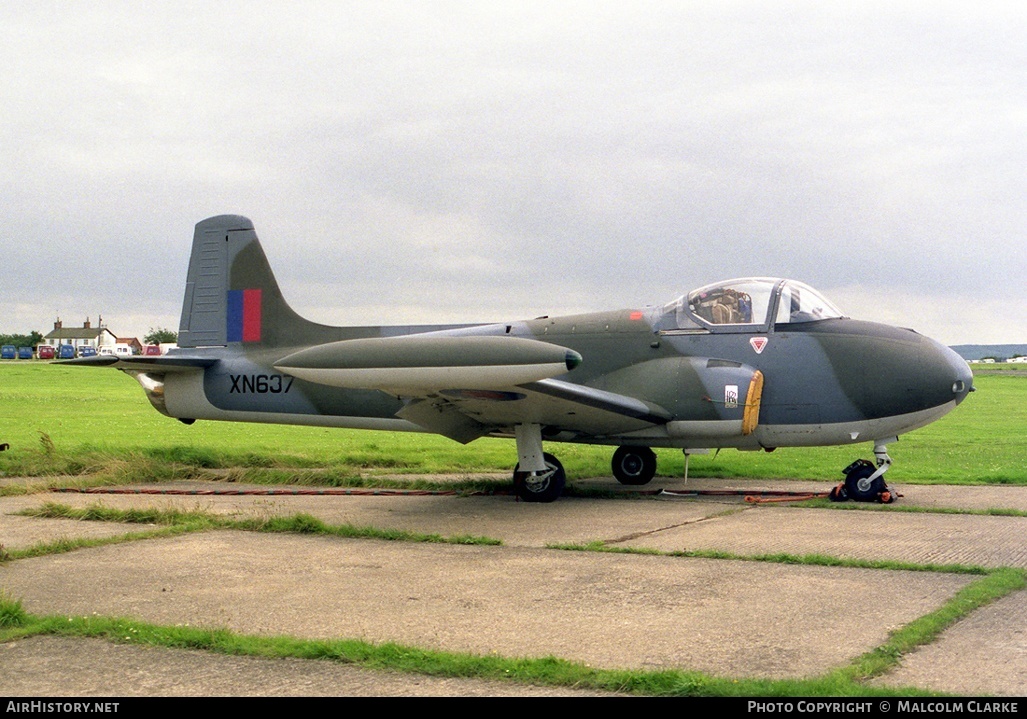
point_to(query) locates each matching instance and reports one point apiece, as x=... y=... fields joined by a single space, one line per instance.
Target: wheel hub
x=539 y=482
x=632 y=464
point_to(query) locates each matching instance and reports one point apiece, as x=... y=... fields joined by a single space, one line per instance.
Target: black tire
x=634 y=465
x=545 y=487
x=859 y=489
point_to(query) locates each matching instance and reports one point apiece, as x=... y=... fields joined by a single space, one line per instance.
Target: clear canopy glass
x=801 y=303
x=750 y=301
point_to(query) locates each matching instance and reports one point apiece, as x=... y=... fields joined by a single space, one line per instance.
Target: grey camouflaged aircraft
x=754 y=364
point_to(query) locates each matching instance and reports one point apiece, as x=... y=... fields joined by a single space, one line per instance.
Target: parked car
x=7 y=352
x=87 y=352
x=24 y=353
x=152 y=350
x=46 y=351
x=66 y=352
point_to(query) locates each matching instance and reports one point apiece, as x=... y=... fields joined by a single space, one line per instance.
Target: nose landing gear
x=863 y=481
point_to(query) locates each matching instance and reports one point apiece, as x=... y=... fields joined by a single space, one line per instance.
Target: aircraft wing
x=601 y=400
x=561 y=406
x=469 y=386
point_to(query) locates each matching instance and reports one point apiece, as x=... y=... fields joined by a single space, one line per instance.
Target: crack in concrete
x=649 y=533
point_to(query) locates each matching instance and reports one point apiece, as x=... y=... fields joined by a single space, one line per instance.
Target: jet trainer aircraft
x=753 y=363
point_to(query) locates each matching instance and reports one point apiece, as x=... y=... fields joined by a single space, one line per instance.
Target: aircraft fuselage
x=836 y=381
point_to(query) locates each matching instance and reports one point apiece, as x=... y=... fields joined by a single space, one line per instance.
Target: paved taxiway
x=524 y=598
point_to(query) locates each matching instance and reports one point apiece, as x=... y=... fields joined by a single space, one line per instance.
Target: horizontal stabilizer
x=417 y=363
x=142 y=363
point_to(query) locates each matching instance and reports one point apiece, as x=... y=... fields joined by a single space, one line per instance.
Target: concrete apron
x=724 y=617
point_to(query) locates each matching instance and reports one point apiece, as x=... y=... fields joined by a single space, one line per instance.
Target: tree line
x=156 y=336
x=30 y=340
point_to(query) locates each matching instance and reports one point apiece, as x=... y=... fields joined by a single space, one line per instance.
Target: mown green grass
x=815 y=560
x=64 y=420
x=166 y=522
x=819 y=503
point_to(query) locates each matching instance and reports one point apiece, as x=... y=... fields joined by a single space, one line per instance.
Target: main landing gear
x=863 y=481
x=634 y=465
x=538 y=476
x=541 y=486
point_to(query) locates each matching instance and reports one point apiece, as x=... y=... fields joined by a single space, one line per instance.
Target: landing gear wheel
x=545 y=486
x=634 y=465
x=857 y=485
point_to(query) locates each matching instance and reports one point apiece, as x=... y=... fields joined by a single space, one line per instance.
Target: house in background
x=84 y=336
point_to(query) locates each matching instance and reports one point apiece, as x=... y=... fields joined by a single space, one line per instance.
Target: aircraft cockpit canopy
x=753 y=301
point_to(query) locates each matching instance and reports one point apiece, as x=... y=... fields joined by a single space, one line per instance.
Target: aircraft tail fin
x=231 y=294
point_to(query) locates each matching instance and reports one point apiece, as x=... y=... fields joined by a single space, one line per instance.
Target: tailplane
x=231 y=295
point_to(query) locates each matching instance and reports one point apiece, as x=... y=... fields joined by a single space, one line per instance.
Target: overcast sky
x=483 y=161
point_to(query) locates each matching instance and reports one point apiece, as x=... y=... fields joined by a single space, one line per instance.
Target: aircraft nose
x=948 y=373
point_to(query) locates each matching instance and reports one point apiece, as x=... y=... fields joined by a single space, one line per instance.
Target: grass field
x=70 y=420
x=997 y=367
